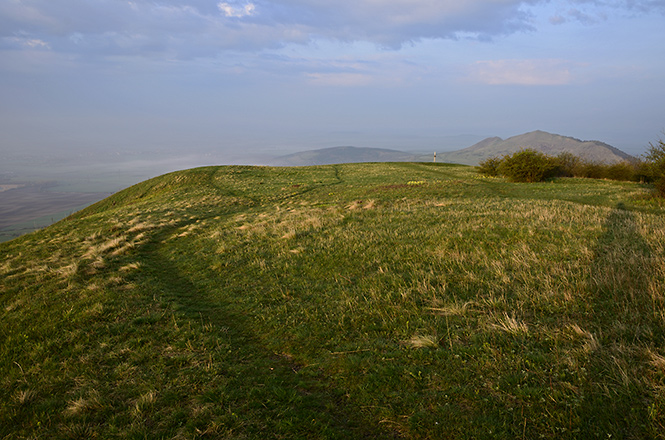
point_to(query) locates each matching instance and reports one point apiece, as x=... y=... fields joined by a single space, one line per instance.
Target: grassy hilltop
x=395 y=300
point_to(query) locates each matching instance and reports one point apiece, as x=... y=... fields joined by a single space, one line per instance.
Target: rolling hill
x=552 y=144
x=355 y=301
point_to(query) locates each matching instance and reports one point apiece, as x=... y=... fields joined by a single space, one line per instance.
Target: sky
x=246 y=78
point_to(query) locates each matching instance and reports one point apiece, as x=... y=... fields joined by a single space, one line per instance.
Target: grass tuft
x=511 y=325
x=25 y=397
x=424 y=341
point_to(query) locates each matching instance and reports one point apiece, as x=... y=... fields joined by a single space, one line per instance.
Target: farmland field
x=24 y=208
x=37 y=190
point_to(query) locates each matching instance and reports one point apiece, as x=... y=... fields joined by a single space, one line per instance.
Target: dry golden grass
x=125 y=248
x=141 y=227
x=657 y=361
x=82 y=405
x=13 y=305
x=95 y=310
x=449 y=308
x=591 y=344
x=131 y=266
x=424 y=341
x=67 y=271
x=95 y=250
x=510 y=324
x=25 y=397
x=98 y=263
x=144 y=402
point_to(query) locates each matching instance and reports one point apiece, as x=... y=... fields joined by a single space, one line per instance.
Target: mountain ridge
x=542 y=141
x=547 y=143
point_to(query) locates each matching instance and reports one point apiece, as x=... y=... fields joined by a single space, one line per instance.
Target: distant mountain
x=548 y=143
x=334 y=155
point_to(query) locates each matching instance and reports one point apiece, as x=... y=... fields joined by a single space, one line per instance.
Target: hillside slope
x=544 y=142
x=394 y=300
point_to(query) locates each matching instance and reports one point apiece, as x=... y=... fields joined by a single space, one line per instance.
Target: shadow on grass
x=623 y=320
x=272 y=396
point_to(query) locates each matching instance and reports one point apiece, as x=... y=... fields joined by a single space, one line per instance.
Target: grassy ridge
x=352 y=301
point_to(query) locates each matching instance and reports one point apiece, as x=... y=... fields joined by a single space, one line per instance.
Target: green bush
x=568 y=164
x=642 y=171
x=624 y=171
x=591 y=170
x=528 y=166
x=655 y=166
x=531 y=166
x=490 y=167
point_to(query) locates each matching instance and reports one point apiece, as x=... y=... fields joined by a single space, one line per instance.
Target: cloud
x=24 y=42
x=186 y=29
x=588 y=16
x=253 y=25
x=538 y=72
x=590 y=12
x=395 y=22
x=635 y=5
x=236 y=11
x=170 y=29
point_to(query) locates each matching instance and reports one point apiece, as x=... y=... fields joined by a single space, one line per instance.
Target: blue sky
x=257 y=76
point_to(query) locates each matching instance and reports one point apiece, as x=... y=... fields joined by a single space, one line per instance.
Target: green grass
x=352 y=301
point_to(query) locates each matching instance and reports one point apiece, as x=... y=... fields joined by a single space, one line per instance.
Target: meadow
x=392 y=300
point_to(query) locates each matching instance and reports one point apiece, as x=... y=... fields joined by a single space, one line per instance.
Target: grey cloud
x=205 y=28
x=590 y=12
x=643 y=6
x=584 y=17
x=394 y=22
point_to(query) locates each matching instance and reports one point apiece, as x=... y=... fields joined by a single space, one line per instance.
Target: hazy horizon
x=250 y=79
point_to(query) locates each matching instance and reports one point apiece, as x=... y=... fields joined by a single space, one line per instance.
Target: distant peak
x=542 y=141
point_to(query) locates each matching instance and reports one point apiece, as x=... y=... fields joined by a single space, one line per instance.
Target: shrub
x=568 y=164
x=532 y=166
x=642 y=171
x=655 y=160
x=573 y=166
x=621 y=171
x=591 y=170
x=490 y=167
x=528 y=166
